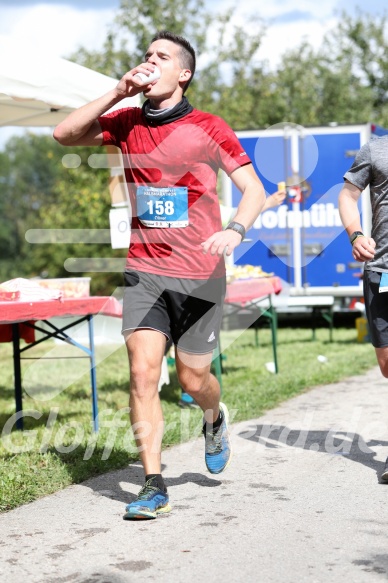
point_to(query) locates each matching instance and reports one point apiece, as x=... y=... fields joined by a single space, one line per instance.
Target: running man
x=175 y=270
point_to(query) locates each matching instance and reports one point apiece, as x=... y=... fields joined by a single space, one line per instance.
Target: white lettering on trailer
x=319 y=215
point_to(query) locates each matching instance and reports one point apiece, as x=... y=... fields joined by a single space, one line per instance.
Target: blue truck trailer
x=303 y=240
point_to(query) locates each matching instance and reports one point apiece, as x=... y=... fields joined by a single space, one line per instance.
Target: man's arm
x=274 y=199
x=251 y=204
x=363 y=247
x=81 y=128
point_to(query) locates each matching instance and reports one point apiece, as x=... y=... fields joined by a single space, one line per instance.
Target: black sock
x=157 y=478
x=216 y=424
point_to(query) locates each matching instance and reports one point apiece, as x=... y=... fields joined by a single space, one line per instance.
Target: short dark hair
x=187 y=53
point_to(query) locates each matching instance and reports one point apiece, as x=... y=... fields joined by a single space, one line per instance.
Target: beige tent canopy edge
x=40 y=90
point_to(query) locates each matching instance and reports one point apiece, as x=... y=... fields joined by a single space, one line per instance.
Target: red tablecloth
x=14 y=316
x=16 y=311
x=246 y=290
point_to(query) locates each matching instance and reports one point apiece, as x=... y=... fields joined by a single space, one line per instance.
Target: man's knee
x=382 y=359
x=144 y=379
x=384 y=369
x=192 y=383
x=189 y=384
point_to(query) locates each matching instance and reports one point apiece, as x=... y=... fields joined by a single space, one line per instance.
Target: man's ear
x=185 y=75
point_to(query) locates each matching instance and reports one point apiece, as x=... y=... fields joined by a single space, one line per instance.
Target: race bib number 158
x=162 y=207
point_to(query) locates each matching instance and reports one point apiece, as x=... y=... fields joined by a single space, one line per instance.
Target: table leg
x=256 y=334
x=328 y=315
x=93 y=377
x=331 y=323
x=313 y=322
x=17 y=374
x=274 y=327
x=217 y=364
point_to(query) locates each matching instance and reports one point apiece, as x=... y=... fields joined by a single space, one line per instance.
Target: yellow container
x=362 y=330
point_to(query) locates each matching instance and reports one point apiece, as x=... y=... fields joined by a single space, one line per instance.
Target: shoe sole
x=147 y=515
x=225 y=411
x=223 y=469
x=384 y=477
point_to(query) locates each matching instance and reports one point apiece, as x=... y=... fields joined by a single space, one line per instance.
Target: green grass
x=58 y=447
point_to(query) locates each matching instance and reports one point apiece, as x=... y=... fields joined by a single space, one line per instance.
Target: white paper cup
x=147 y=79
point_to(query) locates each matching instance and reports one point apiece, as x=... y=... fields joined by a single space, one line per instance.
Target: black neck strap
x=167 y=115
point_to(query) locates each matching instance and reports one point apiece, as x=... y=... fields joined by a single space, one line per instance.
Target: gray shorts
x=376 y=308
x=187 y=311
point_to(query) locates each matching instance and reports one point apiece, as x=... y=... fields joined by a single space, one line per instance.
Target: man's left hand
x=221 y=242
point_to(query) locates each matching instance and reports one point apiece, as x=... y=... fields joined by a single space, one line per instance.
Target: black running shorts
x=376 y=307
x=188 y=311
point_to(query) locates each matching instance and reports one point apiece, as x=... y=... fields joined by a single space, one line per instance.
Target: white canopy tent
x=39 y=90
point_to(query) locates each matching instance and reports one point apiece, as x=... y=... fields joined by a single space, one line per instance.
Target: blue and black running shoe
x=218 y=450
x=187 y=401
x=150 y=502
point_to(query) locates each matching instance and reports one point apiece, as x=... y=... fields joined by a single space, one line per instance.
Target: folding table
x=248 y=294
x=19 y=319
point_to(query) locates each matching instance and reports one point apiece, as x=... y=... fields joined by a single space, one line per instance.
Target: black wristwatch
x=238 y=227
x=355 y=236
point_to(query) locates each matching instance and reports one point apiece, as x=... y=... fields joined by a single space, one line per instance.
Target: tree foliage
x=39 y=192
x=360 y=45
x=134 y=26
x=345 y=81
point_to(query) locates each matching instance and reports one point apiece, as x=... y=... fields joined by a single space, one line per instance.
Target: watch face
x=238 y=228
x=355 y=235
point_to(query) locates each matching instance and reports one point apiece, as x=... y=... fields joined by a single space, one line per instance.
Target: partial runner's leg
x=195 y=376
x=145 y=352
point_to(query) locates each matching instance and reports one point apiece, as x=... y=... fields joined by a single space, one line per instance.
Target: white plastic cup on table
x=270 y=366
x=147 y=79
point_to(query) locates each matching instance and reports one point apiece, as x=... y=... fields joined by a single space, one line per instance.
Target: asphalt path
x=300 y=502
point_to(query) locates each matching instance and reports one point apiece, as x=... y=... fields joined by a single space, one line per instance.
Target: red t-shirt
x=188 y=153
